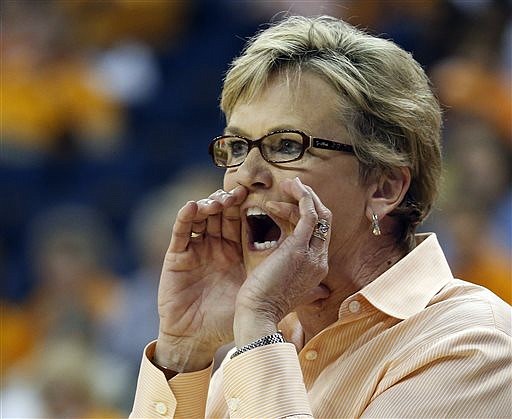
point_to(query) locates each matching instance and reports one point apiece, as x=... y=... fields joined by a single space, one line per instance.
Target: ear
x=387 y=192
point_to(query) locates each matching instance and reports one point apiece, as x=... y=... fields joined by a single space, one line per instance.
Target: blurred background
x=107 y=108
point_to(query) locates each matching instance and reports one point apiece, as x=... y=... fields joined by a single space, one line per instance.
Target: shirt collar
x=407 y=287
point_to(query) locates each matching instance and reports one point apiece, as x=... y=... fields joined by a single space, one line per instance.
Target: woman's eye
x=238 y=148
x=288 y=146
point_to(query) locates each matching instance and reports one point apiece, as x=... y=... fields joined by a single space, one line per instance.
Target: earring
x=375 y=225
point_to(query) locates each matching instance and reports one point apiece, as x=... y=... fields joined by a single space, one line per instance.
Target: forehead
x=304 y=101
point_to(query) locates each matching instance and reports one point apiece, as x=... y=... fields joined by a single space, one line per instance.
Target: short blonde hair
x=388 y=107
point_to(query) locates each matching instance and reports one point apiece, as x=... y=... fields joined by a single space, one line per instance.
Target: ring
x=321 y=229
x=194 y=235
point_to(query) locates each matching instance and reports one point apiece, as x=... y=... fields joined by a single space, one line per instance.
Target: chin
x=252 y=259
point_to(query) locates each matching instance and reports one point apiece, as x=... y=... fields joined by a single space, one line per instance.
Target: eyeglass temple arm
x=331 y=145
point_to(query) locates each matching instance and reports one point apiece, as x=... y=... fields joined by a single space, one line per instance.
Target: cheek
x=337 y=185
x=343 y=199
x=229 y=181
x=348 y=214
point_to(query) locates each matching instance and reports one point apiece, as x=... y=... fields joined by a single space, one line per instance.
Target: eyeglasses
x=282 y=146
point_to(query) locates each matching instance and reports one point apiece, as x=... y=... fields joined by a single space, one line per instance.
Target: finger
x=324 y=222
x=208 y=219
x=180 y=236
x=308 y=216
x=217 y=202
x=198 y=227
x=284 y=210
x=320 y=237
x=315 y=217
x=213 y=225
x=222 y=196
x=227 y=225
x=321 y=209
x=207 y=207
x=231 y=218
x=237 y=196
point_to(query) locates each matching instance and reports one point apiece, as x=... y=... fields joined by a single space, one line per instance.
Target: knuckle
x=180 y=235
x=219 y=193
x=205 y=201
x=305 y=193
x=311 y=213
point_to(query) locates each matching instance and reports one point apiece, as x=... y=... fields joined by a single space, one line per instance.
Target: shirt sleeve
x=266 y=382
x=471 y=379
x=183 y=396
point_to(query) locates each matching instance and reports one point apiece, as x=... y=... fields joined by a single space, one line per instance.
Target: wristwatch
x=265 y=340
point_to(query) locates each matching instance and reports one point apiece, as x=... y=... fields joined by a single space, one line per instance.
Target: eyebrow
x=232 y=130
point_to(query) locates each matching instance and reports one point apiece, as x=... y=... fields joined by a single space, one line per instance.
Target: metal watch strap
x=265 y=340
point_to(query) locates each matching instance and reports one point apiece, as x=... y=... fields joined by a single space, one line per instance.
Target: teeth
x=255 y=211
x=265 y=245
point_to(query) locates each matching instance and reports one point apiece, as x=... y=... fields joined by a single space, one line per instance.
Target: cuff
x=184 y=395
x=266 y=382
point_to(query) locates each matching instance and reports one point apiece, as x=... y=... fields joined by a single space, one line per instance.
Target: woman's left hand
x=291 y=275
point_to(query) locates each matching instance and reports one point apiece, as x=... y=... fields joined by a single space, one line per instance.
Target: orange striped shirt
x=413 y=343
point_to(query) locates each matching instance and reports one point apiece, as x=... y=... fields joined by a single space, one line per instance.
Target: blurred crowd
x=107 y=108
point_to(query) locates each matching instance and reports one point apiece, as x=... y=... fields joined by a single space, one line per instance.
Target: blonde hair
x=388 y=106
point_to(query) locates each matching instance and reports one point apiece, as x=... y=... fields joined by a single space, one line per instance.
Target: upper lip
x=244 y=208
x=257 y=202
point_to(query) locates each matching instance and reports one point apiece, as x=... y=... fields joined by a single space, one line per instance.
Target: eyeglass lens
x=278 y=147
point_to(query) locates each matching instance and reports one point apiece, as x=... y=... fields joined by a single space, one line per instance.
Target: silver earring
x=375 y=225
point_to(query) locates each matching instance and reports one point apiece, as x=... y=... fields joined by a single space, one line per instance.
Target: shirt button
x=311 y=355
x=233 y=404
x=354 y=306
x=161 y=408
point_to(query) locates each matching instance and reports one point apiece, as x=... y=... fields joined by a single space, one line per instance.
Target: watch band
x=265 y=340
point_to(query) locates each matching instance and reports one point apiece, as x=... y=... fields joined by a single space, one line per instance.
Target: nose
x=254 y=173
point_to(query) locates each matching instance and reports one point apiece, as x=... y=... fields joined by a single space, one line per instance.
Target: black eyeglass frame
x=308 y=142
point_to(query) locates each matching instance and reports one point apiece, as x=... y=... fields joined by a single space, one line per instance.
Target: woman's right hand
x=200 y=279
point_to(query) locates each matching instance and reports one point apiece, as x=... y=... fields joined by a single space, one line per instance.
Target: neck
x=349 y=273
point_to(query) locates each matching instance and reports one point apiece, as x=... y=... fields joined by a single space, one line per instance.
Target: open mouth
x=264 y=233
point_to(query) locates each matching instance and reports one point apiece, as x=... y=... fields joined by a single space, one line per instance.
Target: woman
x=307 y=258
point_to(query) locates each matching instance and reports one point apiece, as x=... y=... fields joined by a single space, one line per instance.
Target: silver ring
x=321 y=229
x=194 y=235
